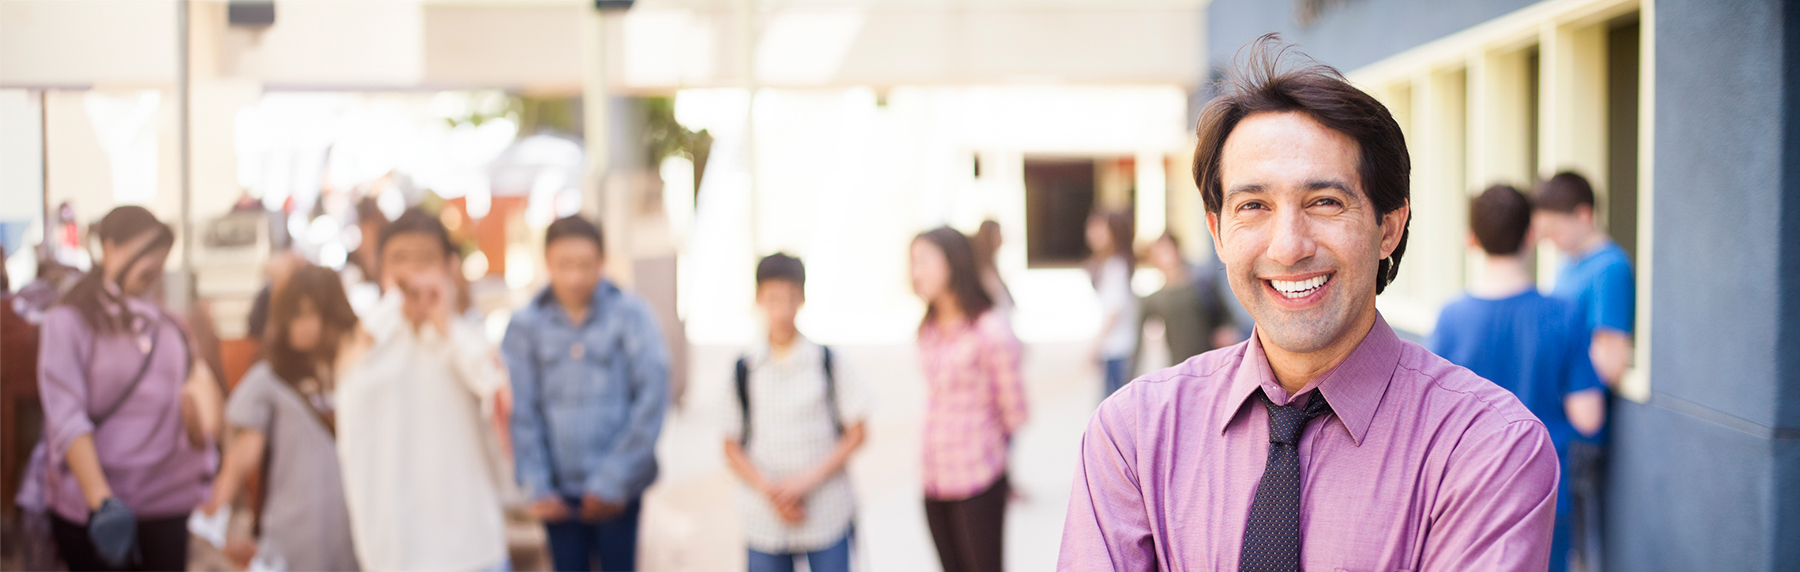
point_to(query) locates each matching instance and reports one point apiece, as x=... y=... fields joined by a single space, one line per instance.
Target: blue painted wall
x=1706 y=476
x=1350 y=33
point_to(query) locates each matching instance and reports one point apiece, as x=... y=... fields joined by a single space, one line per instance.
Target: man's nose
x=1292 y=241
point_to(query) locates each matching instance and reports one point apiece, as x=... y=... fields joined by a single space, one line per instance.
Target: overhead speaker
x=604 y=5
x=251 y=13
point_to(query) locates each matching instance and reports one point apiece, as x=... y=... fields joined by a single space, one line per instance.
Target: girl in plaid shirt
x=974 y=406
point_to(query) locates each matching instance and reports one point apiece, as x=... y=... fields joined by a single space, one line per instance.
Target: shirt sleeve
x=1107 y=526
x=249 y=406
x=1615 y=299
x=731 y=417
x=473 y=360
x=1580 y=375
x=531 y=448
x=1498 y=502
x=852 y=396
x=62 y=378
x=1001 y=360
x=624 y=471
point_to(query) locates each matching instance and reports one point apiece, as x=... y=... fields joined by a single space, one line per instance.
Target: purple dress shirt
x=143 y=448
x=1423 y=466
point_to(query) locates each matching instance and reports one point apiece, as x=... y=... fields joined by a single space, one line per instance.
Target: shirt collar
x=762 y=352
x=603 y=294
x=1354 y=387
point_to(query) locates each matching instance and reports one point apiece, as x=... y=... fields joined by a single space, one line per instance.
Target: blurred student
x=592 y=381
x=795 y=427
x=1109 y=236
x=987 y=246
x=975 y=403
x=1597 y=278
x=128 y=430
x=1192 y=312
x=283 y=423
x=415 y=389
x=1529 y=344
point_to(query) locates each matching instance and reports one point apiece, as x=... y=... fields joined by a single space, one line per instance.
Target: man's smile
x=1301 y=290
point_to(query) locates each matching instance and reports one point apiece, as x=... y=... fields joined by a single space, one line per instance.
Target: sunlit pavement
x=691 y=519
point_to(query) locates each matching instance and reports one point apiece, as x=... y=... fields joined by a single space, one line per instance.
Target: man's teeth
x=1301 y=288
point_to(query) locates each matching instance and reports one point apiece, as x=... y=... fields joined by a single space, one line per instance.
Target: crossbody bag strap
x=143 y=371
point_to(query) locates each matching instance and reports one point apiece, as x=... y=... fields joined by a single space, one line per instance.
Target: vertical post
x=747 y=48
x=44 y=164
x=183 y=126
x=596 y=111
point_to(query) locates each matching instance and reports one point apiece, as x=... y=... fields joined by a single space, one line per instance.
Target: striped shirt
x=975 y=403
x=791 y=432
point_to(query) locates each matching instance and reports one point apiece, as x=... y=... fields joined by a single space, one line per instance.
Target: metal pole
x=44 y=158
x=596 y=110
x=748 y=51
x=183 y=95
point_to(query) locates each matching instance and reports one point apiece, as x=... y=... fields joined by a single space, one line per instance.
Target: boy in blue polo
x=1529 y=344
x=795 y=425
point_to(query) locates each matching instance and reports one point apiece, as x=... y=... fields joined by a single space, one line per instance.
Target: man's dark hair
x=575 y=227
x=1500 y=217
x=416 y=220
x=1261 y=83
x=1564 y=192
x=780 y=266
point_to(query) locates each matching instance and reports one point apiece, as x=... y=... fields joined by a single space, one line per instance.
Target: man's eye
x=1328 y=202
x=1250 y=206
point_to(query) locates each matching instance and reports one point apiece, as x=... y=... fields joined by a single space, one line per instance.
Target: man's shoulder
x=1187 y=389
x=1450 y=392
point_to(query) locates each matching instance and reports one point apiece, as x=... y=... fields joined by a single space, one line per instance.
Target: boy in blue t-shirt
x=1597 y=279
x=1534 y=346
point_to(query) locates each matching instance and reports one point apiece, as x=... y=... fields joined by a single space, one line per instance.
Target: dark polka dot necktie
x=1272 y=535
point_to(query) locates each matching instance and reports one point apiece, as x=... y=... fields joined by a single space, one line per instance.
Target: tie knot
x=1287 y=421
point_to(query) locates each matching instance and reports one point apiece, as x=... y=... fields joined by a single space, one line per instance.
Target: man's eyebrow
x=1244 y=188
x=1319 y=184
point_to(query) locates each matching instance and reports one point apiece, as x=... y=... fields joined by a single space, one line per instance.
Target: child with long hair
x=283 y=421
x=975 y=403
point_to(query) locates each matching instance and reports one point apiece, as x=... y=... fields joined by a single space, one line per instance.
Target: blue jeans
x=834 y=558
x=609 y=544
x=1117 y=375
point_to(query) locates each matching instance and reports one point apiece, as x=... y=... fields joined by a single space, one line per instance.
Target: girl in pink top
x=974 y=406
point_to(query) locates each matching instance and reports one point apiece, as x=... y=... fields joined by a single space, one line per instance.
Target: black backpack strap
x=743 y=395
x=831 y=403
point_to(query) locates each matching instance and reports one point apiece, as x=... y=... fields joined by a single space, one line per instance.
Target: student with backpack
x=794 y=428
x=1532 y=345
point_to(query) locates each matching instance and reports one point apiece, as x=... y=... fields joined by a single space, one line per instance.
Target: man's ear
x=1393 y=227
x=1585 y=214
x=1212 y=228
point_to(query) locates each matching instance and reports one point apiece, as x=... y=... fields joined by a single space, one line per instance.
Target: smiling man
x=1324 y=442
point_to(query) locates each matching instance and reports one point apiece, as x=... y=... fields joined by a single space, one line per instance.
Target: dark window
x=1059 y=194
